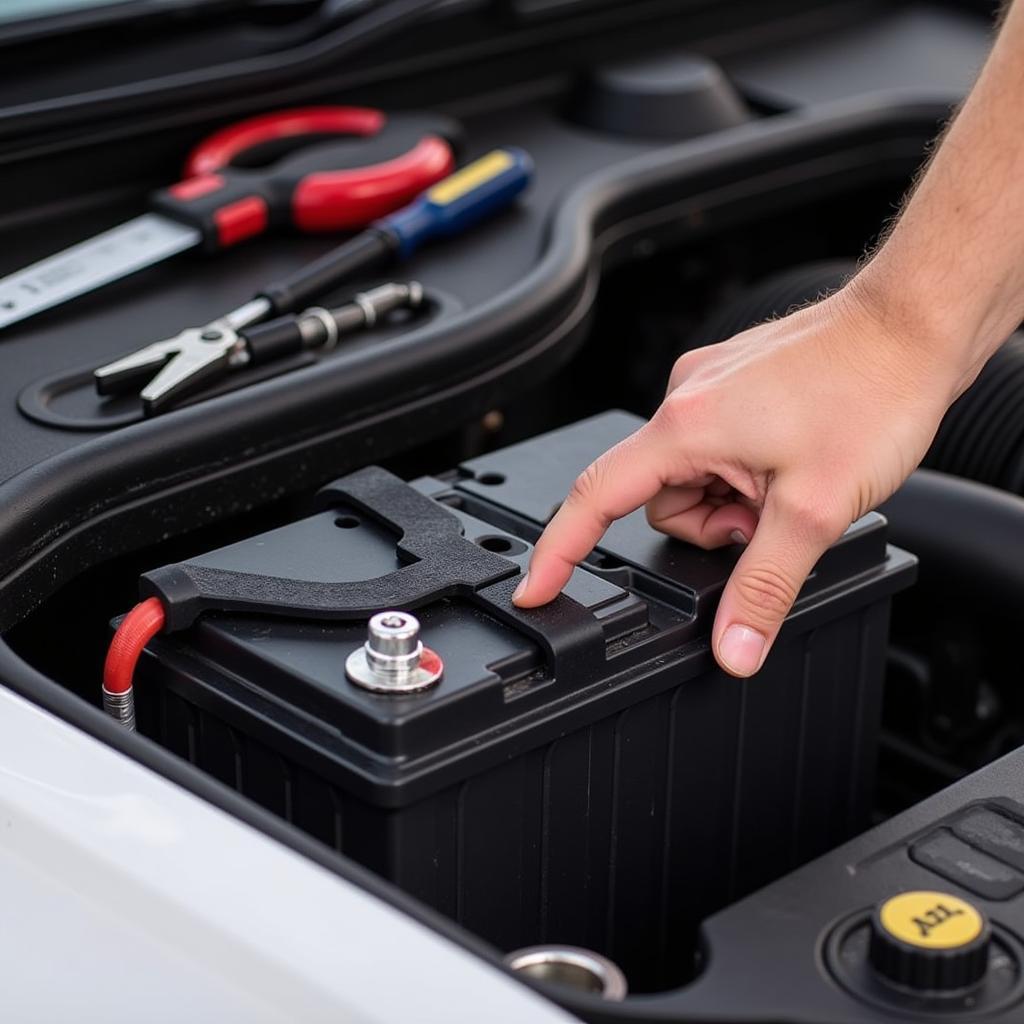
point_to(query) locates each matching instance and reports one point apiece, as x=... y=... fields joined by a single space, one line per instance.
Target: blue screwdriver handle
x=465 y=198
x=455 y=203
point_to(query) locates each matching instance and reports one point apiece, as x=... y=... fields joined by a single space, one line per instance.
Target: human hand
x=779 y=439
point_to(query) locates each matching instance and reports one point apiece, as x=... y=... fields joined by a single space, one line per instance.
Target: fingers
x=707 y=516
x=621 y=480
x=789 y=539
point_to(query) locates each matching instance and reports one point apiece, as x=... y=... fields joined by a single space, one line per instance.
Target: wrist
x=940 y=336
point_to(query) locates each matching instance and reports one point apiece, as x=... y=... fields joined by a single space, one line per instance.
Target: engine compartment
x=571 y=772
x=630 y=249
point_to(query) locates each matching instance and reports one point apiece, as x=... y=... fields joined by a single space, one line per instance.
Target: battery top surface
x=637 y=616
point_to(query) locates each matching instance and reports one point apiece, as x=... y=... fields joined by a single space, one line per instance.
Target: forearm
x=950 y=276
x=782 y=436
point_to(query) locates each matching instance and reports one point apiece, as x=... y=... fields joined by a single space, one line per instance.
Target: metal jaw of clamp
x=171 y=369
x=183 y=363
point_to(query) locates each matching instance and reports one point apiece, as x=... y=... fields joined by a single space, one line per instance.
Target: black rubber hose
x=969 y=538
x=980 y=438
x=982 y=435
x=773 y=297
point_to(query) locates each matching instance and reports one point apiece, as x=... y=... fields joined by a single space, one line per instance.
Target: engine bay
x=580 y=777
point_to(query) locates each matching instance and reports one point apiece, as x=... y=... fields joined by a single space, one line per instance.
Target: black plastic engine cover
x=583 y=772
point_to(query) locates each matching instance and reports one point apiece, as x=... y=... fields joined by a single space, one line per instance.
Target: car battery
x=579 y=773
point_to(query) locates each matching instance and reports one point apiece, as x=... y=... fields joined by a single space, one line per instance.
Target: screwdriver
x=178 y=364
x=446 y=209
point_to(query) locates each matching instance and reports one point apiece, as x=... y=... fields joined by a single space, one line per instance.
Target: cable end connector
x=121 y=707
x=137 y=628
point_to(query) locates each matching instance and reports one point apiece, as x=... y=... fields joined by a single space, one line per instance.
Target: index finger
x=617 y=483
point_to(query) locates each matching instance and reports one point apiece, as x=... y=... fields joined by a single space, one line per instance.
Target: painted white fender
x=123 y=897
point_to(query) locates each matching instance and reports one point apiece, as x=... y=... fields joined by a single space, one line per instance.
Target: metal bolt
x=393 y=659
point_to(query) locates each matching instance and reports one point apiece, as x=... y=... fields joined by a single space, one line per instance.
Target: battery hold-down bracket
x=439 y=562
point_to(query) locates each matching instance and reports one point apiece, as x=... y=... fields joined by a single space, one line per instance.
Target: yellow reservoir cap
x=931 y=920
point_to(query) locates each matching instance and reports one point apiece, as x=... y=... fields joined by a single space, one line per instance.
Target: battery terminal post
x=393 y=659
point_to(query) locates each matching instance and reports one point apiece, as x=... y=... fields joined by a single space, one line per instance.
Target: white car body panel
x=127 y=898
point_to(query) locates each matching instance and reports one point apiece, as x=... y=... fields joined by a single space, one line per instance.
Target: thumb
x=789 y=539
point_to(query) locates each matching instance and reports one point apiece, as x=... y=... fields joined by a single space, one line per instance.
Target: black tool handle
x=289 y=335
x=274 y=340
x=316 y=327
x=368 y=251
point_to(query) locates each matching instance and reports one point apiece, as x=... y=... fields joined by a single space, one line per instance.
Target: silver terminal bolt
x=393 y=659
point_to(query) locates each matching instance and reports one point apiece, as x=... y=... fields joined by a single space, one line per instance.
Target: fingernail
x=521 y=589
x=742 y=650
x=739 y=537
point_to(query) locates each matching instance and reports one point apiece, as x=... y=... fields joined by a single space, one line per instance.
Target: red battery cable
x=137 y=628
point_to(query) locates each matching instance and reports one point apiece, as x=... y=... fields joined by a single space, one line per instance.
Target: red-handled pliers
x=342 y=168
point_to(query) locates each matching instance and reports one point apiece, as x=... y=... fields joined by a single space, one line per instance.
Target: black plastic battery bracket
x=439 y=562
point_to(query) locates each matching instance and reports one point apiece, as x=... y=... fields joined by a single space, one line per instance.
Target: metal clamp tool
x=199 y=355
